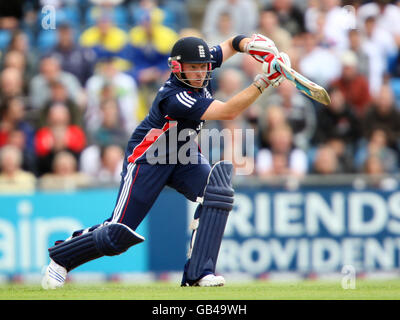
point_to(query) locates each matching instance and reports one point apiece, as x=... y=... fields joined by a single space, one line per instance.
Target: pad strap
x=217 y=197
x=106 y=240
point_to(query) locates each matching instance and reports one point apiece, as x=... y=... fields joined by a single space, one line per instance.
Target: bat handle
x=277 y=66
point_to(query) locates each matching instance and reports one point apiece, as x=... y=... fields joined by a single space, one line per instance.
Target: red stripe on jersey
x=150 y=138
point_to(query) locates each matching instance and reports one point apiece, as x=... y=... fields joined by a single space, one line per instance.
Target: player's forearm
x=230 y=109
x=230 y=48
x=241 y=101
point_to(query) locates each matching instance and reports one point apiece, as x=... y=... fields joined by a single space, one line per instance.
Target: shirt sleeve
x=184 y=105
x=216 y=55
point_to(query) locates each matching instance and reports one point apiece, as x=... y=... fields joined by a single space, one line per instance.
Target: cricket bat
x=306 y=86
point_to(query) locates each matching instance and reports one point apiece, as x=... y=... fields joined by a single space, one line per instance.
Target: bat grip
x=277 y=66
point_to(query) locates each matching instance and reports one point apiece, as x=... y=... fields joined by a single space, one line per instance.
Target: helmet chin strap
x=182 y=77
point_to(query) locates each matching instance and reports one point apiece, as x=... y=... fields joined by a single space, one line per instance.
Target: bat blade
x=306 y=86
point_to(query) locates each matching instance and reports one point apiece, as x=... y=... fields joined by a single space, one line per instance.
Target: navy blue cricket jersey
x=174 y=120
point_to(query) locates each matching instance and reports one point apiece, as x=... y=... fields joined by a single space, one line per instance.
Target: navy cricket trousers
x=142 y=183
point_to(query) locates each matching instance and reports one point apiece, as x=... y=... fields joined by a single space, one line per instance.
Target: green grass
x=258 y=290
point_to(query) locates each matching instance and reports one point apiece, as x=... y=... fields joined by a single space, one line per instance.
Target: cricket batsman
x=153 y=161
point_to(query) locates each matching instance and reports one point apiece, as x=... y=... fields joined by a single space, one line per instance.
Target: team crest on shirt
x=207 y=93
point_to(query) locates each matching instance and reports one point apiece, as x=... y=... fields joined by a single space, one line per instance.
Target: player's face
x=195 y=73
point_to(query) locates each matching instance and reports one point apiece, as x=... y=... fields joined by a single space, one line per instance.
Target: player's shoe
x=209 y=280
x=54 y=276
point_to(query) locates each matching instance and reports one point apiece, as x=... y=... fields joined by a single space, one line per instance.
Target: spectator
x=58 y=135
x=116 y=12
x=383 y=115
x=103 y=163
x=14 y=59
x=174 y=13
x=18 y=138
x=311 y=15
x=379 y=46
x=353 y=85
x=11 y=83
x=108 y=134
x=337 y=23
x=318 y=29
x=73 y=58
x=317 y=63
x=59 y=95
x=12 y=118
x=377 y=146
x=11 y=13
x=109 y=82
x=104 y=36
x=273 y=118
x=64 y=174
x=299 y=113
x=362 y=58
x=270 y=118
x=290 y=17
x=243 y=15
x=230 y=82
x=344 y=154
x=337 y=121
x=177 y=15
x=225 y=31
x=250 y=68
x=17 y=60
x=16 y=130
x=252 y=117
x=50 y=71
x=387 y=14
x=373 y=166
x=377 y=176
x=20 y=42
x=143 y=7
x=270 y=27
x=148 y=50
x=325 y=161
x=281 y=157
x=111 y=158
x=110 y=131
x=12 y=178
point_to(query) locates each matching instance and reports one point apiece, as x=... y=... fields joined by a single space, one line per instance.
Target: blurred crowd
x=77 y=76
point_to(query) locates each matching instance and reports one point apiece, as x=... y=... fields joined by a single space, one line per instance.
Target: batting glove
x=274 y=77
x=261 y=82
x=259 y=46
